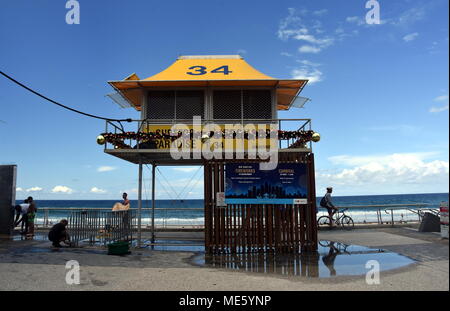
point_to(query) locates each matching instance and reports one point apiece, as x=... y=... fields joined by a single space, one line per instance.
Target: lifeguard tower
x=246 y=207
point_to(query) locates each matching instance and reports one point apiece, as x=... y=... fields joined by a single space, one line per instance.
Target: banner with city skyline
x=247 y=184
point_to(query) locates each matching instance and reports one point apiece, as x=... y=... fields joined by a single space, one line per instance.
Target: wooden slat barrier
x=239 y=228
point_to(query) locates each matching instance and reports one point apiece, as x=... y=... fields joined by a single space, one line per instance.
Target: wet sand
x=33 y=265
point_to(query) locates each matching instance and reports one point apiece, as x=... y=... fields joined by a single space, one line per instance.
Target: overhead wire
x=59 y=104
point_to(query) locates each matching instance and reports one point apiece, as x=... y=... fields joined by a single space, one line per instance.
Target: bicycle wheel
x=347 y=223
x=323 y=222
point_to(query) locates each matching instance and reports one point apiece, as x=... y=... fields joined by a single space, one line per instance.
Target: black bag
x=323 y=202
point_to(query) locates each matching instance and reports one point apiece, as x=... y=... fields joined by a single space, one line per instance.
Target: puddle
x=176 y=245
x=331 y=259
x=19 y=237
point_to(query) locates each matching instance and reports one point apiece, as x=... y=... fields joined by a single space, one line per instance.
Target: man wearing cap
x=328 y=204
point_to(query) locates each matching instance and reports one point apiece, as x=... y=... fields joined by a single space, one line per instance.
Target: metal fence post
x=153 y=202
x=139 y=204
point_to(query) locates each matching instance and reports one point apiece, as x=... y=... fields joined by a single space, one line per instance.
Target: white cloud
x=286 y=54
x=320 y=12
x=309 y=49
x=410 y=16
x=185 y=169
x=296 y=26
x=106 y=168
x=313 y=75
x=34 y=189
x=410 y=37
x=439 y=109
x=18 y=189
x=394 y=173
x=384 y=159
x=441 y=98
x=308 y=63
x=97 y=190
x=62 y=189
x=322 y=43
x=355 y=20
x=308 y=70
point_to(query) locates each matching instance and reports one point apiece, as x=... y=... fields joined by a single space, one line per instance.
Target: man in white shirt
x=24 y=220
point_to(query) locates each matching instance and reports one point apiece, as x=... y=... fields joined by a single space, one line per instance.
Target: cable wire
x=59 y=104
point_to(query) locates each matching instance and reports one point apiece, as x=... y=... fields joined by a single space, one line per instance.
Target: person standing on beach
x=328 y=204
x=24 y=214
x=31 y=216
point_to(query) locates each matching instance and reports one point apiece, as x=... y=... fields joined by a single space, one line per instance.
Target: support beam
x=139 y=204
x=153 y=202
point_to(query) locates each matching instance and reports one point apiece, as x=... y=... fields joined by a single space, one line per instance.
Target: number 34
x=201 y=70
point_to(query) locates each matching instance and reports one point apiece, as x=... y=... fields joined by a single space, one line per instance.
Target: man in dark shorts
x=59 y=234
x=326 y=203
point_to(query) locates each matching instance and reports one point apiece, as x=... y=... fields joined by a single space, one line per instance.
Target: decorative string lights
x=118 y=139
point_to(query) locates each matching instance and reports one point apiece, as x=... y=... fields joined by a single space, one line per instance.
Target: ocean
x=179 y=213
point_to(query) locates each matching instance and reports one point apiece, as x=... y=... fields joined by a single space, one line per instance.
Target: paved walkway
x=33 y=265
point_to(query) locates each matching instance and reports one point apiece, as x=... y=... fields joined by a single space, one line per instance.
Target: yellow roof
x=209 y=70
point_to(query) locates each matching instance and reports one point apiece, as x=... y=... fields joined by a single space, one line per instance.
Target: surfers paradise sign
x=226 y=141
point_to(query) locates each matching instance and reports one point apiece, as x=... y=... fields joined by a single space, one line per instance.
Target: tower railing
x=141 y=126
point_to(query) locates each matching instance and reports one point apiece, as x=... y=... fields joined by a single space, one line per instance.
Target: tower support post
x=139 y=239
x=153 y=202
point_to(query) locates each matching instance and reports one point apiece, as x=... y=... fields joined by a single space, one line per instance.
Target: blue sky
x=379 y=92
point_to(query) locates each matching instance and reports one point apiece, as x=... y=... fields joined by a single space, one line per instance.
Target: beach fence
x=101 y=227
x=386 y=214
x=98 y=225
x=167 y=219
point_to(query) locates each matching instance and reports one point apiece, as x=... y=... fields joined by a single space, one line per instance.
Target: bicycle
x=340 y=219
x=340 y=247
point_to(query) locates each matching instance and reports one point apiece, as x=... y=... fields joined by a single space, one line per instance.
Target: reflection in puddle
x=175 y=245
x=331 y=259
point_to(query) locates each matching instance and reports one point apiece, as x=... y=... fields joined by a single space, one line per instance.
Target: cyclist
x=328 y=204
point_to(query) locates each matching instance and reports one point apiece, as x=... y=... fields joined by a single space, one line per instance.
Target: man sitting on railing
x=326 y=203
x=122 y=206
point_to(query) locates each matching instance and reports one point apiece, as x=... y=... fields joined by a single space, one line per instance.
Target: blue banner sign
x=247 y=184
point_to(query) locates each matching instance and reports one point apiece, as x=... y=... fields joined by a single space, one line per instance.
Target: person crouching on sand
x=58 y=233
x=122 y=206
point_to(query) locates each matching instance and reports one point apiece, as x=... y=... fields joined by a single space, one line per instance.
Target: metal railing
x=166 y=218
x=140 y=126
x=387 y=214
